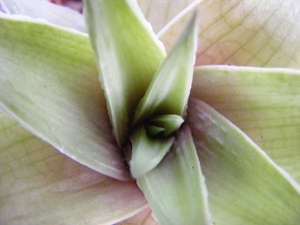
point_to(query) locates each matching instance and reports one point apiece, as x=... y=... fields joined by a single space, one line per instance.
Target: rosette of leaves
x=188 y=119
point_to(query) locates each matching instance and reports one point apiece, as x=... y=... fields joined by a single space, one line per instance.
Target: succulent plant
x=150 y=112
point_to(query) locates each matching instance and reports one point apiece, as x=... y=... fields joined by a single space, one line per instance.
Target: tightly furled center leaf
x=163 y=126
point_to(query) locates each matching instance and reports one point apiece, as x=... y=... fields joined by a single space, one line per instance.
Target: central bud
x=150 y=142
x=163 y=126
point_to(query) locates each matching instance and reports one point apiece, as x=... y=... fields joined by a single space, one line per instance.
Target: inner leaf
x=170 y=88
x=159 y=114
x=164 y=126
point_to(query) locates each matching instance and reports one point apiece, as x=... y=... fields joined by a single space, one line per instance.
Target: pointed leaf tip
x=170 y=88
x=159 y=113
x=128 y=55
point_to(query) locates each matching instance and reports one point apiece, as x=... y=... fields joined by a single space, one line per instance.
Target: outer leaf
x=142 y=218
x=162 y=12
x=39 y=185
x=170 y=88
x=245 y=186
x=242 y=32
x=175 y=189
x=128 y=54
x=43 y=9
x=48 y=82
x=264 y=103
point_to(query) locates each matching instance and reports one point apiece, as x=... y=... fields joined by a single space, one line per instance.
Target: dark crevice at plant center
x=163 y=126
x=149 y=141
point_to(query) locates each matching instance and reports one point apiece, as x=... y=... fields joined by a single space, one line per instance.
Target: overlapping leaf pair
x=48 y=83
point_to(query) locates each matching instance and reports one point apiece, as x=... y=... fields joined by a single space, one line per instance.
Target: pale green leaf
x=159 y=13
x=39 y=185
x=170 y=88
x=49 y=83
x=43 y=9
x=128 y=55
x=242 y=32
x=160 y=110
x=245 y=186
x=147 y=152
x=164 y=126
x=264 y=103
x=176 y=189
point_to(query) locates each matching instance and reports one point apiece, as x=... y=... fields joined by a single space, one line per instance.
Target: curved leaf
x=167 y=94
x=176 y=189
x=147 y=152
x=48 y=82
x=43 y=9
x=128 y=55
x=170 y=88
x=245 y=186
x=39 y=185
x=142 y=218
x=159 y=13
x=242 y=32
x=264 y=103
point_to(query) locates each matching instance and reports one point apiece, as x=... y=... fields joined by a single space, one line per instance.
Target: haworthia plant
x=119 y=132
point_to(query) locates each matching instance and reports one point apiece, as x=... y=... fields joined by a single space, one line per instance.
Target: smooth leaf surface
x=128 y=54
x=146 y=152
x=162 y=12
x=164 y=126
x=48 y=82
x=235 y=32
x=39 y=185
x=143 y=218
x=170 y=88
x=264 y=103
x=43 y=9
x=176 y=189
x=245 y=186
